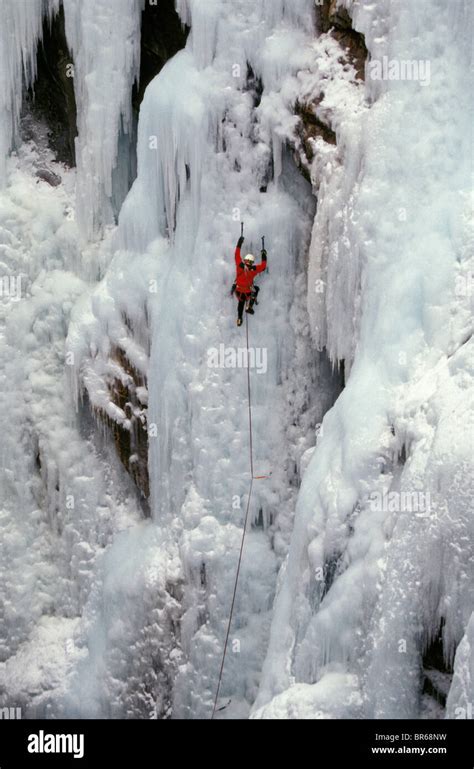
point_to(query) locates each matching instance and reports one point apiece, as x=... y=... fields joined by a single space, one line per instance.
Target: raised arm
x=238 y=255
x=263 y=264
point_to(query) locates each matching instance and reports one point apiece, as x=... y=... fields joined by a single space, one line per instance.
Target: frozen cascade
x=104 y=38
x=401 y=242
x=129 y=615
x=62 y=497
x=202 y=161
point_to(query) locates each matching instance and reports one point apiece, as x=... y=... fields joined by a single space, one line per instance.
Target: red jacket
x=245 y=275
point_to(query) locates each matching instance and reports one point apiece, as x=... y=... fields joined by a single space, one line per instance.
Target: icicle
x=104 y=38
x=173 y=138
x=20 y=30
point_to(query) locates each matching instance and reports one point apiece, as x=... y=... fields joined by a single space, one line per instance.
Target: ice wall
x=130 y=616
x=368 y=586
x=62 y=497
x=210 y=155
x=104 y=39
x=460 y=698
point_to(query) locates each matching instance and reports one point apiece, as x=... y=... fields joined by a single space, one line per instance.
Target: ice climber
x=243 y=287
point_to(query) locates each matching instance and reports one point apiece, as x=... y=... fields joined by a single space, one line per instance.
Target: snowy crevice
x=21 y=30
x=103 y=71
x=438 y=674
x=163 y=34
x=51 y=98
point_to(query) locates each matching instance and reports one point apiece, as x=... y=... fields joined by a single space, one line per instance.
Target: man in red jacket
x=247 y=270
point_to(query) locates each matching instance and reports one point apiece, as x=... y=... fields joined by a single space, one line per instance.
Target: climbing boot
x=250 y=309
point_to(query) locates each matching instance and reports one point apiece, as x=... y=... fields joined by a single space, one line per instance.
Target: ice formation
x=22 y=25
x=368 y=588
x=342 y=593
x=104 y=39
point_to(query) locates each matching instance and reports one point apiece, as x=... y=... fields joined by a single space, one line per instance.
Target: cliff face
x=263 y=116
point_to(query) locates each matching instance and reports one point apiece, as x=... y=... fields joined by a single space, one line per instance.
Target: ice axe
x=263 y=249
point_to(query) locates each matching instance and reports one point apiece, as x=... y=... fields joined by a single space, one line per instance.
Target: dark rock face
x=48 y=176
x=52 y=99
x=163 y=35
x=131 y=442
x=338 y=22
x=132 y=445
x=339 y=17
x=437 y=670
x=308 y=129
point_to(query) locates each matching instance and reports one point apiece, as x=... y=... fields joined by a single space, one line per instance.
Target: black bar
x=387 y=743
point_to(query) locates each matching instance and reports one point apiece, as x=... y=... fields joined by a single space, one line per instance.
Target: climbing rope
x=245 y=525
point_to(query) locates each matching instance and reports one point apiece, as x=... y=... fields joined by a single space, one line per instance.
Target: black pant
x=242 y=301
x=244 y=298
